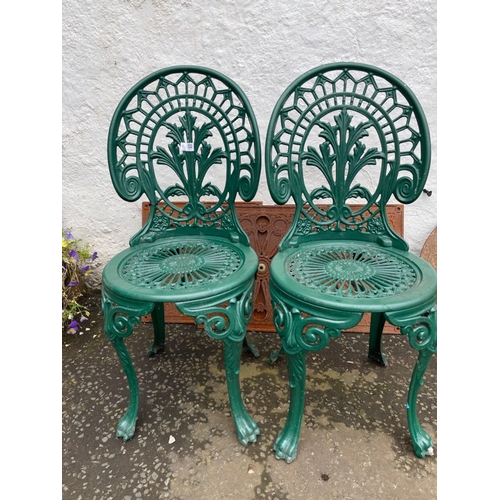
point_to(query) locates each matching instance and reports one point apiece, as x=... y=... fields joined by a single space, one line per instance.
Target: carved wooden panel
x=266 y=225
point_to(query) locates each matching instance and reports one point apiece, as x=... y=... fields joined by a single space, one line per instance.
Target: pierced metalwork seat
x=341 y=132
x=187 y=139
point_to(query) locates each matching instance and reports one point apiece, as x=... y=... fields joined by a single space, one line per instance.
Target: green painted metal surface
x=185 y=138
x=341 y=133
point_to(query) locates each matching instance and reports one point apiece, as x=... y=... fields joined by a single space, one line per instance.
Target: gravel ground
x=354 y=440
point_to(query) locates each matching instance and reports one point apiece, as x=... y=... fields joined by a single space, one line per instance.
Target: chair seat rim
x=423 y=291
x=114 y=280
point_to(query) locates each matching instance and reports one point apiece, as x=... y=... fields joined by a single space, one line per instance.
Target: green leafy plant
x=77 y=262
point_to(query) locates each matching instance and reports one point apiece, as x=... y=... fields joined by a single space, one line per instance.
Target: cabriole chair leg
x=228 y=323
x=246 y=429
x=126 y=425
x=119 y=321
x=158 y=317
x=422 y=335
x=377 y=323
x=287 y=443
x=422 y=442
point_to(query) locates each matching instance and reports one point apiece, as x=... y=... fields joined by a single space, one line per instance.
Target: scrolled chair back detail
x=345 y=132
x=186 y=138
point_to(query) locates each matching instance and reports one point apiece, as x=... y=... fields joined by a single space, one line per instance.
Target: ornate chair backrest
x=344 y=132
x=185 y=137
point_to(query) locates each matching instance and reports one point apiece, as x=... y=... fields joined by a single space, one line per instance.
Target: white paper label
x=187 y=146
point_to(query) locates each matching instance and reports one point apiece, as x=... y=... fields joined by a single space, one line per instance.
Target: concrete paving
x=354 y=440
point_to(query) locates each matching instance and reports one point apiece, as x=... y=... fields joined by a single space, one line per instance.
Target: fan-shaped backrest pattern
x=342 y=133
x=186 y=138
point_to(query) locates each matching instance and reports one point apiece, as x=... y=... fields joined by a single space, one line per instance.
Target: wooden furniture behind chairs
x=266 y=225
x=343 y=132
x=184 y=133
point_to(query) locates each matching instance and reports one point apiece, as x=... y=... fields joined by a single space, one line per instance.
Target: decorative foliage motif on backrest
x=345 y=133
x=187 y=138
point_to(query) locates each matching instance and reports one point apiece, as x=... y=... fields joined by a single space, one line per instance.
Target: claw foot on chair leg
x=251 y=347
x=286 y=447
x=424 y=450
x=378 y=357
x=246 y=430
x=126 y=427
x=275 y=355
x=155 y=349
x=422 y=442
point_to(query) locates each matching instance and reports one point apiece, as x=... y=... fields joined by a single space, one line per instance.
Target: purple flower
x=73 y=327
x=94 y=256
x=69 y=236
x=73 y=283
x=73 y=256
x=85 y=270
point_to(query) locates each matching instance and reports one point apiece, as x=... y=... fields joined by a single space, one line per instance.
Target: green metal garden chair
x=341 y=132
x=186 y=138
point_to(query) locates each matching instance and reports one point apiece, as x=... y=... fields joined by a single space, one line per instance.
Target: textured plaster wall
x=263 y=45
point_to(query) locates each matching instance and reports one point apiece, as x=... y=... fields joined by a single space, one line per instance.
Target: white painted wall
x=262 y=44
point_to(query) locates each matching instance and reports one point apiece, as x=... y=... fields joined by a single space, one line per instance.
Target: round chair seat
x=180 y=268
x=354 y=276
